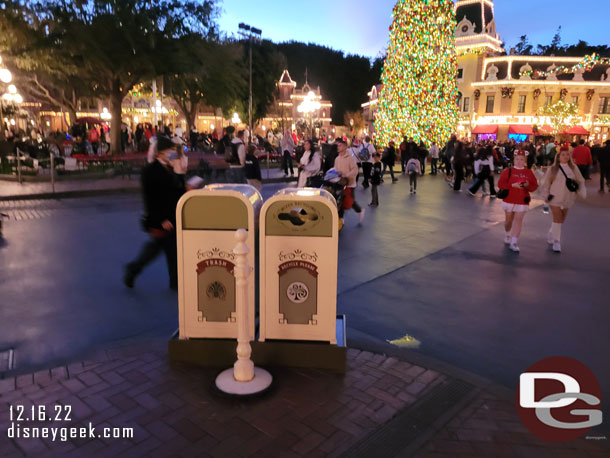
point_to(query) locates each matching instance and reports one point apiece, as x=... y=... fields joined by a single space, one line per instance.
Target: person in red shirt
x=519 y=181
x=583 y=159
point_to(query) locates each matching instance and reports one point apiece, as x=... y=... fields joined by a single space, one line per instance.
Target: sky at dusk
x=361 y=26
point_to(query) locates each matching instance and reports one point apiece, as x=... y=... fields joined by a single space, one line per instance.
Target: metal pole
x=52 y=172
x=250 y=101
x=154 y=89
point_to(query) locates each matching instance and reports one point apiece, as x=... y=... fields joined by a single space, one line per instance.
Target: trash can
x=206 y=223
x=298 y=266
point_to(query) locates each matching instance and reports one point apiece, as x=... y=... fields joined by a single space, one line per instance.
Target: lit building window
x=548 y=100
x=491 y=100
x=575 y=100
x=460 y=74
x=466 y=104
x=604 y=105
x=522 y=100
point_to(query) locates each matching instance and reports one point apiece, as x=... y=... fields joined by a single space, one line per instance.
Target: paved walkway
x=174 y=411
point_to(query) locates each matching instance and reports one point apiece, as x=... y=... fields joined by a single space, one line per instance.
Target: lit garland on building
x=419 y=94
x=586 y=65
x=560 y=114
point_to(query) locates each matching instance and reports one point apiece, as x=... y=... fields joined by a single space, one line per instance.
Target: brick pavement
x=175 y=410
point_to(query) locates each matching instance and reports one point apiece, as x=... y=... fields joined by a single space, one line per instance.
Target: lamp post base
x=226 y=383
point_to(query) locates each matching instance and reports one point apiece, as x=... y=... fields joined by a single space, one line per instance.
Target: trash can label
x=216 y=287
x=298 y=289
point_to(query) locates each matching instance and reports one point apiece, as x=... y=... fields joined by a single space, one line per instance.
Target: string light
x=586 y=64
x=419 y=93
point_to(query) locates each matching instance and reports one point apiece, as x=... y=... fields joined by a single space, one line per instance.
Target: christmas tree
x=419 y=95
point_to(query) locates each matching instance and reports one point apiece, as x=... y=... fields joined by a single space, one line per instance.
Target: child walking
x=413 y=169
x=375 y=180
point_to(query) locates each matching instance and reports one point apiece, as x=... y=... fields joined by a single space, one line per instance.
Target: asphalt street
x=432 y=266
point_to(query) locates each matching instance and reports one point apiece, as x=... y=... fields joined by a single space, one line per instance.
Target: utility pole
x=252 y=34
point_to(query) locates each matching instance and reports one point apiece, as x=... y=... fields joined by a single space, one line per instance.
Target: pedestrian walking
x=161 y=189
x=310 y=164
x=389 y=161
x=581 y=156
x=434 y=155
x=346 y=166
x=459 y=161
x=252 y=169
x=517 y=183
x=484 y=173
x=375 y=180
x=287 y=145
x=404 y=154
x=422 y=154
x=603 y=159
x=366 y=154
x=413 y=169
x=561 y=183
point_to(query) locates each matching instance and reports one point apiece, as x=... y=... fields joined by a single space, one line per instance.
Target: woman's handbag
x=503 y=193
x=571 y=184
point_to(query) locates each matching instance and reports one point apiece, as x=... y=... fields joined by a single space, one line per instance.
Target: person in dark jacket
x=252 y=169
x=603 y=157
x=459 y=161
x=389 y=159
x=161 y=189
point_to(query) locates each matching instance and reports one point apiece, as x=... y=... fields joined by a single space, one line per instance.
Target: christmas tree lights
x=419 y=95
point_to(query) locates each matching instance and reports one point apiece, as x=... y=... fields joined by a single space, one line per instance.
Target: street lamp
x=252 y=34
x=236 y=119
x=309 y=106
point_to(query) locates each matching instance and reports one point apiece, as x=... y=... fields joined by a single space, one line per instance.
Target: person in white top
x=434 y=153
x=366 y=157
x=287 y=145
x=484 y=173
x=310 y=164
x=560 y=197
x=346 y=165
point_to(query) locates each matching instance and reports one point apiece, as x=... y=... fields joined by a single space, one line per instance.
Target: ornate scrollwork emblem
x=298 y=255
x=216 y=290
x=297 y=292
x=215 y=253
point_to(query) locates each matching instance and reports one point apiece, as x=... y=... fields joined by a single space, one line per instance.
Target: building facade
x=502 y=95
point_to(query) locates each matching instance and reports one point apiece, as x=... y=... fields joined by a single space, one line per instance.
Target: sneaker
x=513 y=247
x=549 y=238
x=507 y=239
x=470 y=193
x=361 y=217
x=557 y=247
x=414 y=191
x=493 y=196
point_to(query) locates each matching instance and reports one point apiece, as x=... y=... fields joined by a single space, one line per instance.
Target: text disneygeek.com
x=21 y=427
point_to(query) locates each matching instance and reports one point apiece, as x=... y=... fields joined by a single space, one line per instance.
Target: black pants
x=366 y=171
x=459 y=176
x=584 y=170
x=374 y=195
x=479 y=182
x=447 y=165
x=413 y=181
x=151 y=250
x=403 y=164
x=434 y=166
x=287 y=163
x=422 y=162
x=391 y=167
x=604 y=173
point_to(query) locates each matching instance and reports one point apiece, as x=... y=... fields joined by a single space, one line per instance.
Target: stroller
x=332 y=183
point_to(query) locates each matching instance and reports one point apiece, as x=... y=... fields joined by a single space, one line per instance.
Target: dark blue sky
x=361 y=26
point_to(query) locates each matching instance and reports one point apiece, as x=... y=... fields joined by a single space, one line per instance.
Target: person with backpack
x=484 y=172
x=413 y=169
x=287 y=146
x=515 y=184
x=366 y=158
x=389 y=160
x=560 y=185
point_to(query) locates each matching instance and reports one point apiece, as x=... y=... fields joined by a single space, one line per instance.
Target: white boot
x=507 y=239
x=513 y=245
x=557 y=247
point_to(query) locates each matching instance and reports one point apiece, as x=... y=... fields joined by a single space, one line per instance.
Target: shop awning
x=545 y=130
x=577 y=130
x=519 y=129
x=483 y=129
